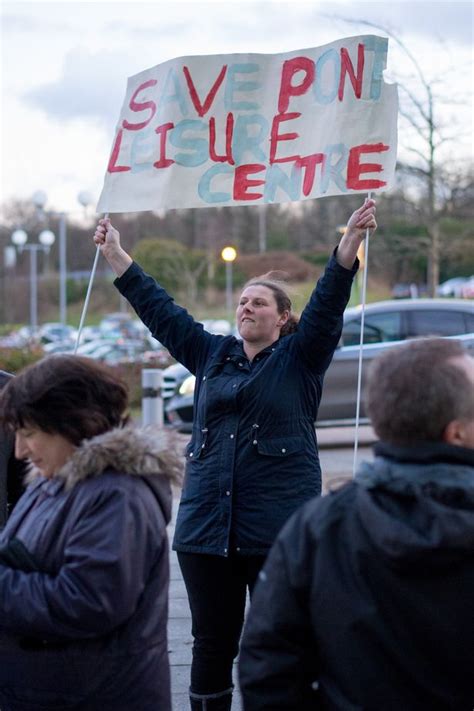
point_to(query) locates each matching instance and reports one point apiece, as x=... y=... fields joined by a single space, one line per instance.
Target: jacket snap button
x=254 y=442
x=232 y=436
x=204 y=377
x=241 y=364
x=283 y=450
x=227 y=493
x=190 y=454
x=234 y=385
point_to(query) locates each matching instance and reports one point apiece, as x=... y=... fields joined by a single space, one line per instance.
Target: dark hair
x=276 y=282
x=415 y=390
x=65 y=394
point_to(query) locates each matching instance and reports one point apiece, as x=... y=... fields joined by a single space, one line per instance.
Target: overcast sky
x=65 y=66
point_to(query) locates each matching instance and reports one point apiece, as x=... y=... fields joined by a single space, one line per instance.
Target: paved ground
x=179 y=635
x=336 y=454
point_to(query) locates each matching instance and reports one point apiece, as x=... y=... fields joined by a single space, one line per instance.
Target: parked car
x=59 y=347
x=409 y=291
x=386 y=323
x=218 y=326
x=129 y=351
x=56 y=332
x=452 y=287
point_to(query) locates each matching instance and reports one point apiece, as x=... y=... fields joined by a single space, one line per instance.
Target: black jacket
x=367 y=598
x=253 y=455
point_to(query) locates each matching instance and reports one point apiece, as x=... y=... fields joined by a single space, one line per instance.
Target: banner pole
x=361 y=343
x=88 y=295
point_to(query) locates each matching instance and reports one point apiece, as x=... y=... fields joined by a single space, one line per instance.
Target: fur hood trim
x=136 y=451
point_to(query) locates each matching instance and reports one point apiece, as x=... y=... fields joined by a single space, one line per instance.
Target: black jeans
x=217 y=589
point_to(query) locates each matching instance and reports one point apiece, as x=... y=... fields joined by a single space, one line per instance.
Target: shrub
x=14 y=359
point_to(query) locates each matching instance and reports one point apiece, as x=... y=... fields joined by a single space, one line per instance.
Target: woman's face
x=257 y=315
x=47 y=451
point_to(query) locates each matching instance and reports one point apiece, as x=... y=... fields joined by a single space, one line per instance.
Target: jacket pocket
x=279 y=446
x=197 y=446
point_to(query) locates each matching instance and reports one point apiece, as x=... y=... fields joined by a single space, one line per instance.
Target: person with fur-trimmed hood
x=84 y=556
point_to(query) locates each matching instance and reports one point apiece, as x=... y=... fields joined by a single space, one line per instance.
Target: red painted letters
x=242 y=183
x=347 y=68
x=287 y=89
x=275 y=137
x=113 y=167
x=309 y=164
x=163 y=161
x=202 y=109
x=135 y=106
x=355 y=167
x=229 y=130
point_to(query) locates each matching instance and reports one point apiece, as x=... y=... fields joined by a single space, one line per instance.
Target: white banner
x=244 y=129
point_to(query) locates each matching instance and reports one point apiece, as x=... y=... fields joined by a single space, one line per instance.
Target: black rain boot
x=211 y=702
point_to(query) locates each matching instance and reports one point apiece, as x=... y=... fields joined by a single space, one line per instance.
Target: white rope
x=88 y=295
x=359 y=372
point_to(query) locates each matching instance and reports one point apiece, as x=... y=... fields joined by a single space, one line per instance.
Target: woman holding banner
x=253 y=457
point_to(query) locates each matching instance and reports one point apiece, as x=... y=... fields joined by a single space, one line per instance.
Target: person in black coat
x=366 y=599
x=253 y=456
x=12 y=470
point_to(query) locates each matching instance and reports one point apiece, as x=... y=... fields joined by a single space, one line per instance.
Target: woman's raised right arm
x=107 y=238
x=169 y=323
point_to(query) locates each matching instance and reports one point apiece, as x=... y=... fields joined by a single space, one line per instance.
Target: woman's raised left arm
x=320 y=326
x=356 y=230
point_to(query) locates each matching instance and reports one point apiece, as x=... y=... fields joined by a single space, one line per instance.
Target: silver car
x=386 y=323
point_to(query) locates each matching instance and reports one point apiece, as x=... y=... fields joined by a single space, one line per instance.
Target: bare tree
x=420 y=101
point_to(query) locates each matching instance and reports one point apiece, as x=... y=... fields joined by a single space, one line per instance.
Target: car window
x=436 y=323
x=377 y=328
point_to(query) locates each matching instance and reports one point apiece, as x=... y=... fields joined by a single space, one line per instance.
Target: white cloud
x=91 y=85
x=66 y=65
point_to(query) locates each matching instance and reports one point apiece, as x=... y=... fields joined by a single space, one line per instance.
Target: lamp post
x=46 y=239
x=229 y=254
x=40 y=199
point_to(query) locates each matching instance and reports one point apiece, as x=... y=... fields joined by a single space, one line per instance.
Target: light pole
x=46 y=239
x=40 y=199
x=229 y=254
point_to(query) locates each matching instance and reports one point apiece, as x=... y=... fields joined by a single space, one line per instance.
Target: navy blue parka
x=85 y=626
x=366 y=600
x=253 y=456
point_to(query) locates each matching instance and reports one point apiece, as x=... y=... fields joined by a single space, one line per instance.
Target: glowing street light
x=228 y=255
